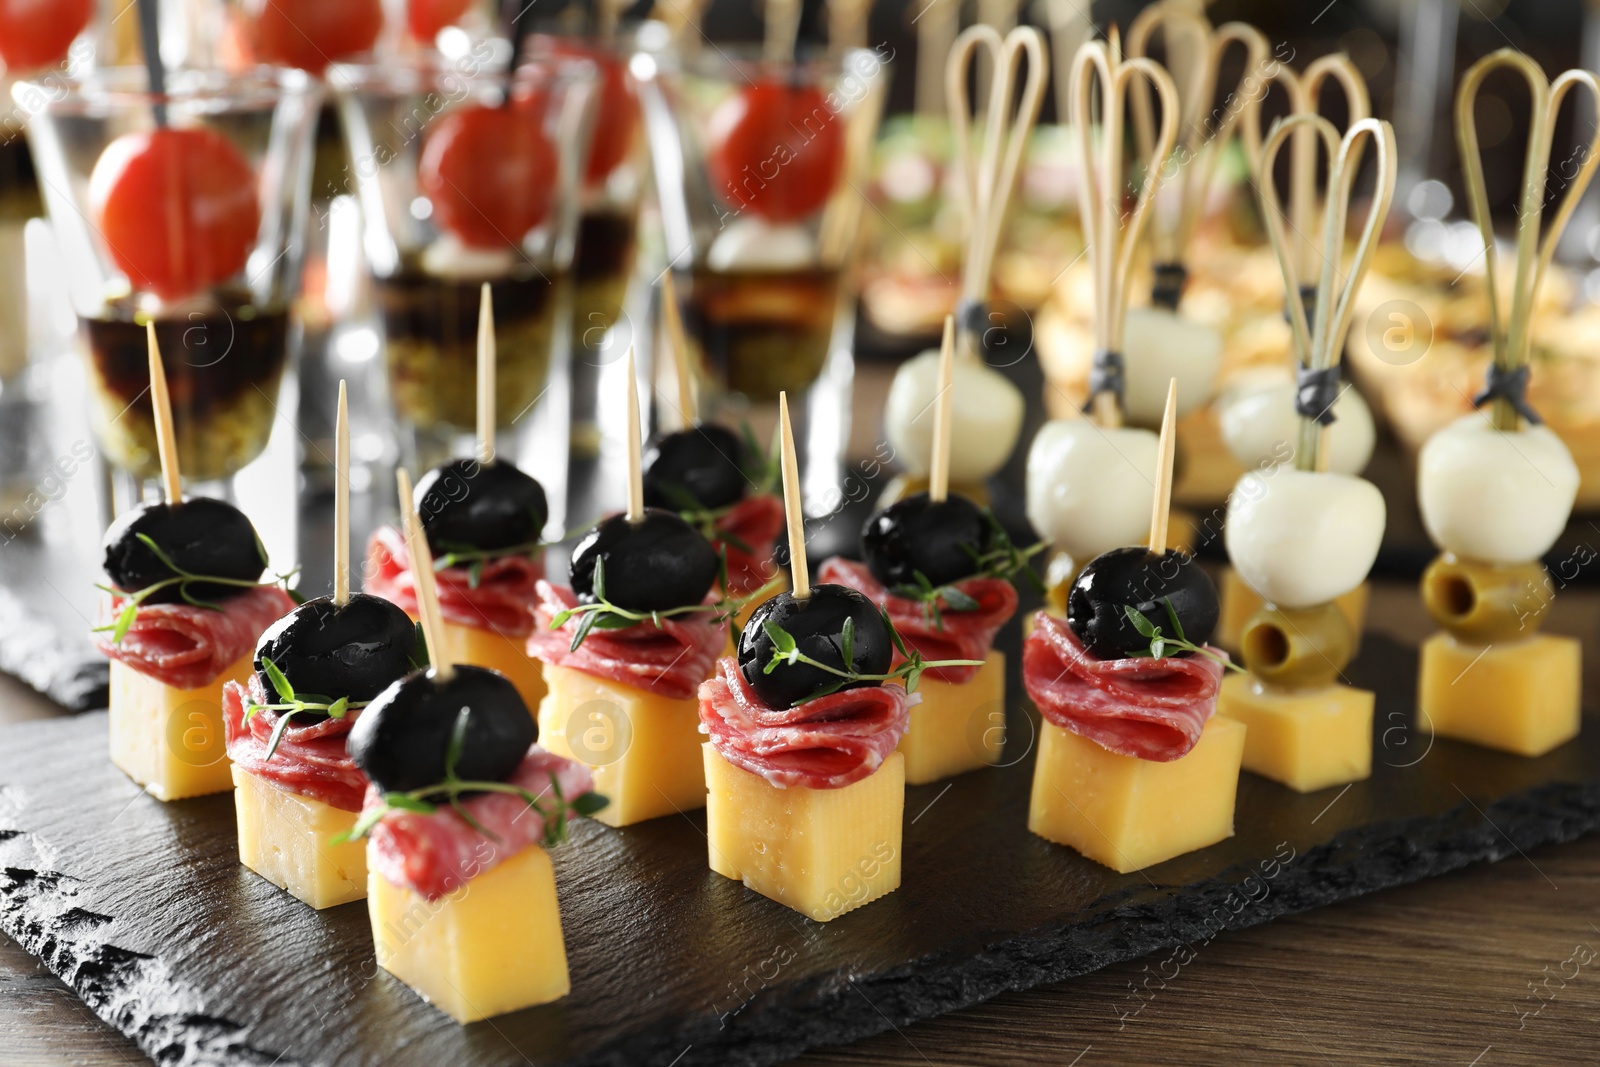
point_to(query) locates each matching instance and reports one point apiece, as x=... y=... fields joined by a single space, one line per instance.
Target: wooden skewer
x=635 y=461
x=678 y=342
x=793 y=507
x=161 y=409
x=936 y=23
x=782 y=19
x=847 y=23
x=486 y=382
x=1161 y=509
x=939 y=467
x=341 y=502
x=422 y=576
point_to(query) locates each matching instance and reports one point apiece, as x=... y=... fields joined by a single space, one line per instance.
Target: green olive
x=1301 y=648
x=1483 y=602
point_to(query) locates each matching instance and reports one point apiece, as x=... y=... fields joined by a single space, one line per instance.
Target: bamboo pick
x=793 y=507
x=423 y=578
x=161 y=410
x=635 y=462
x=678 y=342
x=1511 y=329
x=341 y=501
x=939 y=468
x=1161 y=508
x=847 y=23
x=782 y=19
x=486 y=373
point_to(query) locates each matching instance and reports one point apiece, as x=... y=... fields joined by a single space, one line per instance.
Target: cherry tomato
x=177 y=209
x=310 y=34
x=616 y=110
x=776 y=149
x=37 y=33
x=489 y=172
x=425 y=18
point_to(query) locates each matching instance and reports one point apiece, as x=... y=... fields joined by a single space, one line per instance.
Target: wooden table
x=1491 y=966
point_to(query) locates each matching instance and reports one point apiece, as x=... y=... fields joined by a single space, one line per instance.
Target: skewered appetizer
x=1133 y=767
x=483 y=520
x=461 y=808
x=625 y=647
x=1496 y=492
x=1301 y=536
x=806 y=790
x=182 y=611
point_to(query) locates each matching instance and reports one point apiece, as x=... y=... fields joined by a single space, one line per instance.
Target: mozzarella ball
x=985 y=417
x=448 y=257
x=1159 y=345
x=1303 y=538
x=1090 y=489
x=1493 y=496
x=749 y=243
x=1261 y=428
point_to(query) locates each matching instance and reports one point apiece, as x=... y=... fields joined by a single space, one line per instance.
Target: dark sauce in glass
x=762 y=332
x=19 y=187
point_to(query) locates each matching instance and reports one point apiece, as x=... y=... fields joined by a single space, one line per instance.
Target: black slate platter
x=144 y=910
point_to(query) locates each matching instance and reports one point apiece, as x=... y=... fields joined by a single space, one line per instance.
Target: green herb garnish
x=463 y=555
x=1003 y=560
x=1160 y=642
x=786 y=651
x=292 y=704
x=183 y=580
x=602 y=614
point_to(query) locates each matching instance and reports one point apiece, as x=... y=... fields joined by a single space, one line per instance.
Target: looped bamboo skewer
x=1511 y=331
x=1320 y=341
x=1112 y=239
x=988 y=180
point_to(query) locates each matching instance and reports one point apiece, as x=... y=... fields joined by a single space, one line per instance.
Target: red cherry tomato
x=616 y=110
x=310 y=34
x=177 y=209
x=489 y=172
x=776 y=149
x=425 y=18
x=37 y=33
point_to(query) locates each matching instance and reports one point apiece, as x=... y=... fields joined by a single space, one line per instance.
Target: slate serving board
x=144 y=910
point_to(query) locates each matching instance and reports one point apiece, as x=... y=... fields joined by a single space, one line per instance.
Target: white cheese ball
x=448 y=257
x=1303 y=538
x=1493 y=496
x=985 y=417
x=1260 y=427
x=749 y=243
x=1157 y=346
x=1090 y=489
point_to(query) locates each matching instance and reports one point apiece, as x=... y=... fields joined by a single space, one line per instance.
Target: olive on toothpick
x=484 y=507
x=702 y=468
x=654 y=564
x=941 y=540
x=201 y=536
x=327 y=650
x=1150 y=583
x=816 y=624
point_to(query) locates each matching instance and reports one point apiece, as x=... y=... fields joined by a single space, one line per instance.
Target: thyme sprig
x=785 y=651
x=1003 y=560
x=182 y=579
x=602 y=614
x=1160 y=641
x=293 y=704
x=425 y=801
x=457 y=555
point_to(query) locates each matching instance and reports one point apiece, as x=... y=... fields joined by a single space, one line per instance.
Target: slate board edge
x=38 y=909
x=69 y=672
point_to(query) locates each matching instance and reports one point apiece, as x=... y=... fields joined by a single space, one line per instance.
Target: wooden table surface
x=1494 y=965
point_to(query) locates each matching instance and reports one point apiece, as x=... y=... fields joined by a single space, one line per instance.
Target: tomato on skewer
x=425 y=18
x=777 y=149
x=310 y=34
x=37 y=33
x=616 y=109
x=177 y=209
x=489 y=172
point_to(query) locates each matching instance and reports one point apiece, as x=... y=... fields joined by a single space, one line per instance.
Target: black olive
x=939 y=540
x=698 y=468
x=401 y=739
x=331 y=652
x=201 y=536
x=657 y=563
x=1098 y=601
x=816 y=624
x=485 y=507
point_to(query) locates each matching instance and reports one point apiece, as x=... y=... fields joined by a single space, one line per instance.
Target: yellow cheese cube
x=1521 y=696
x=822 y=852
x=643 y=749
x=1130 y=813
x=956 y=728
x=170 y=740
x=492 y=946
x=508 y=655
x=1306 y=739
x=1239 y=602
x=286 y=839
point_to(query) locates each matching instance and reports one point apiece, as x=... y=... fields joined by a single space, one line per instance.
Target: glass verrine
x=753 y=162
x=188 y=211
x=460 y=185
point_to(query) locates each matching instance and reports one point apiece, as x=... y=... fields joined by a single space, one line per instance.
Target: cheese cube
x=822 y=852
x=492 y=946
x=1131 y=813
x=508 y=655
x=1308 y=739
x=286 y=839
x=643 y=749
x=170 y=740
x=1239 y=602
x=1521 y=697
x=956 y=728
